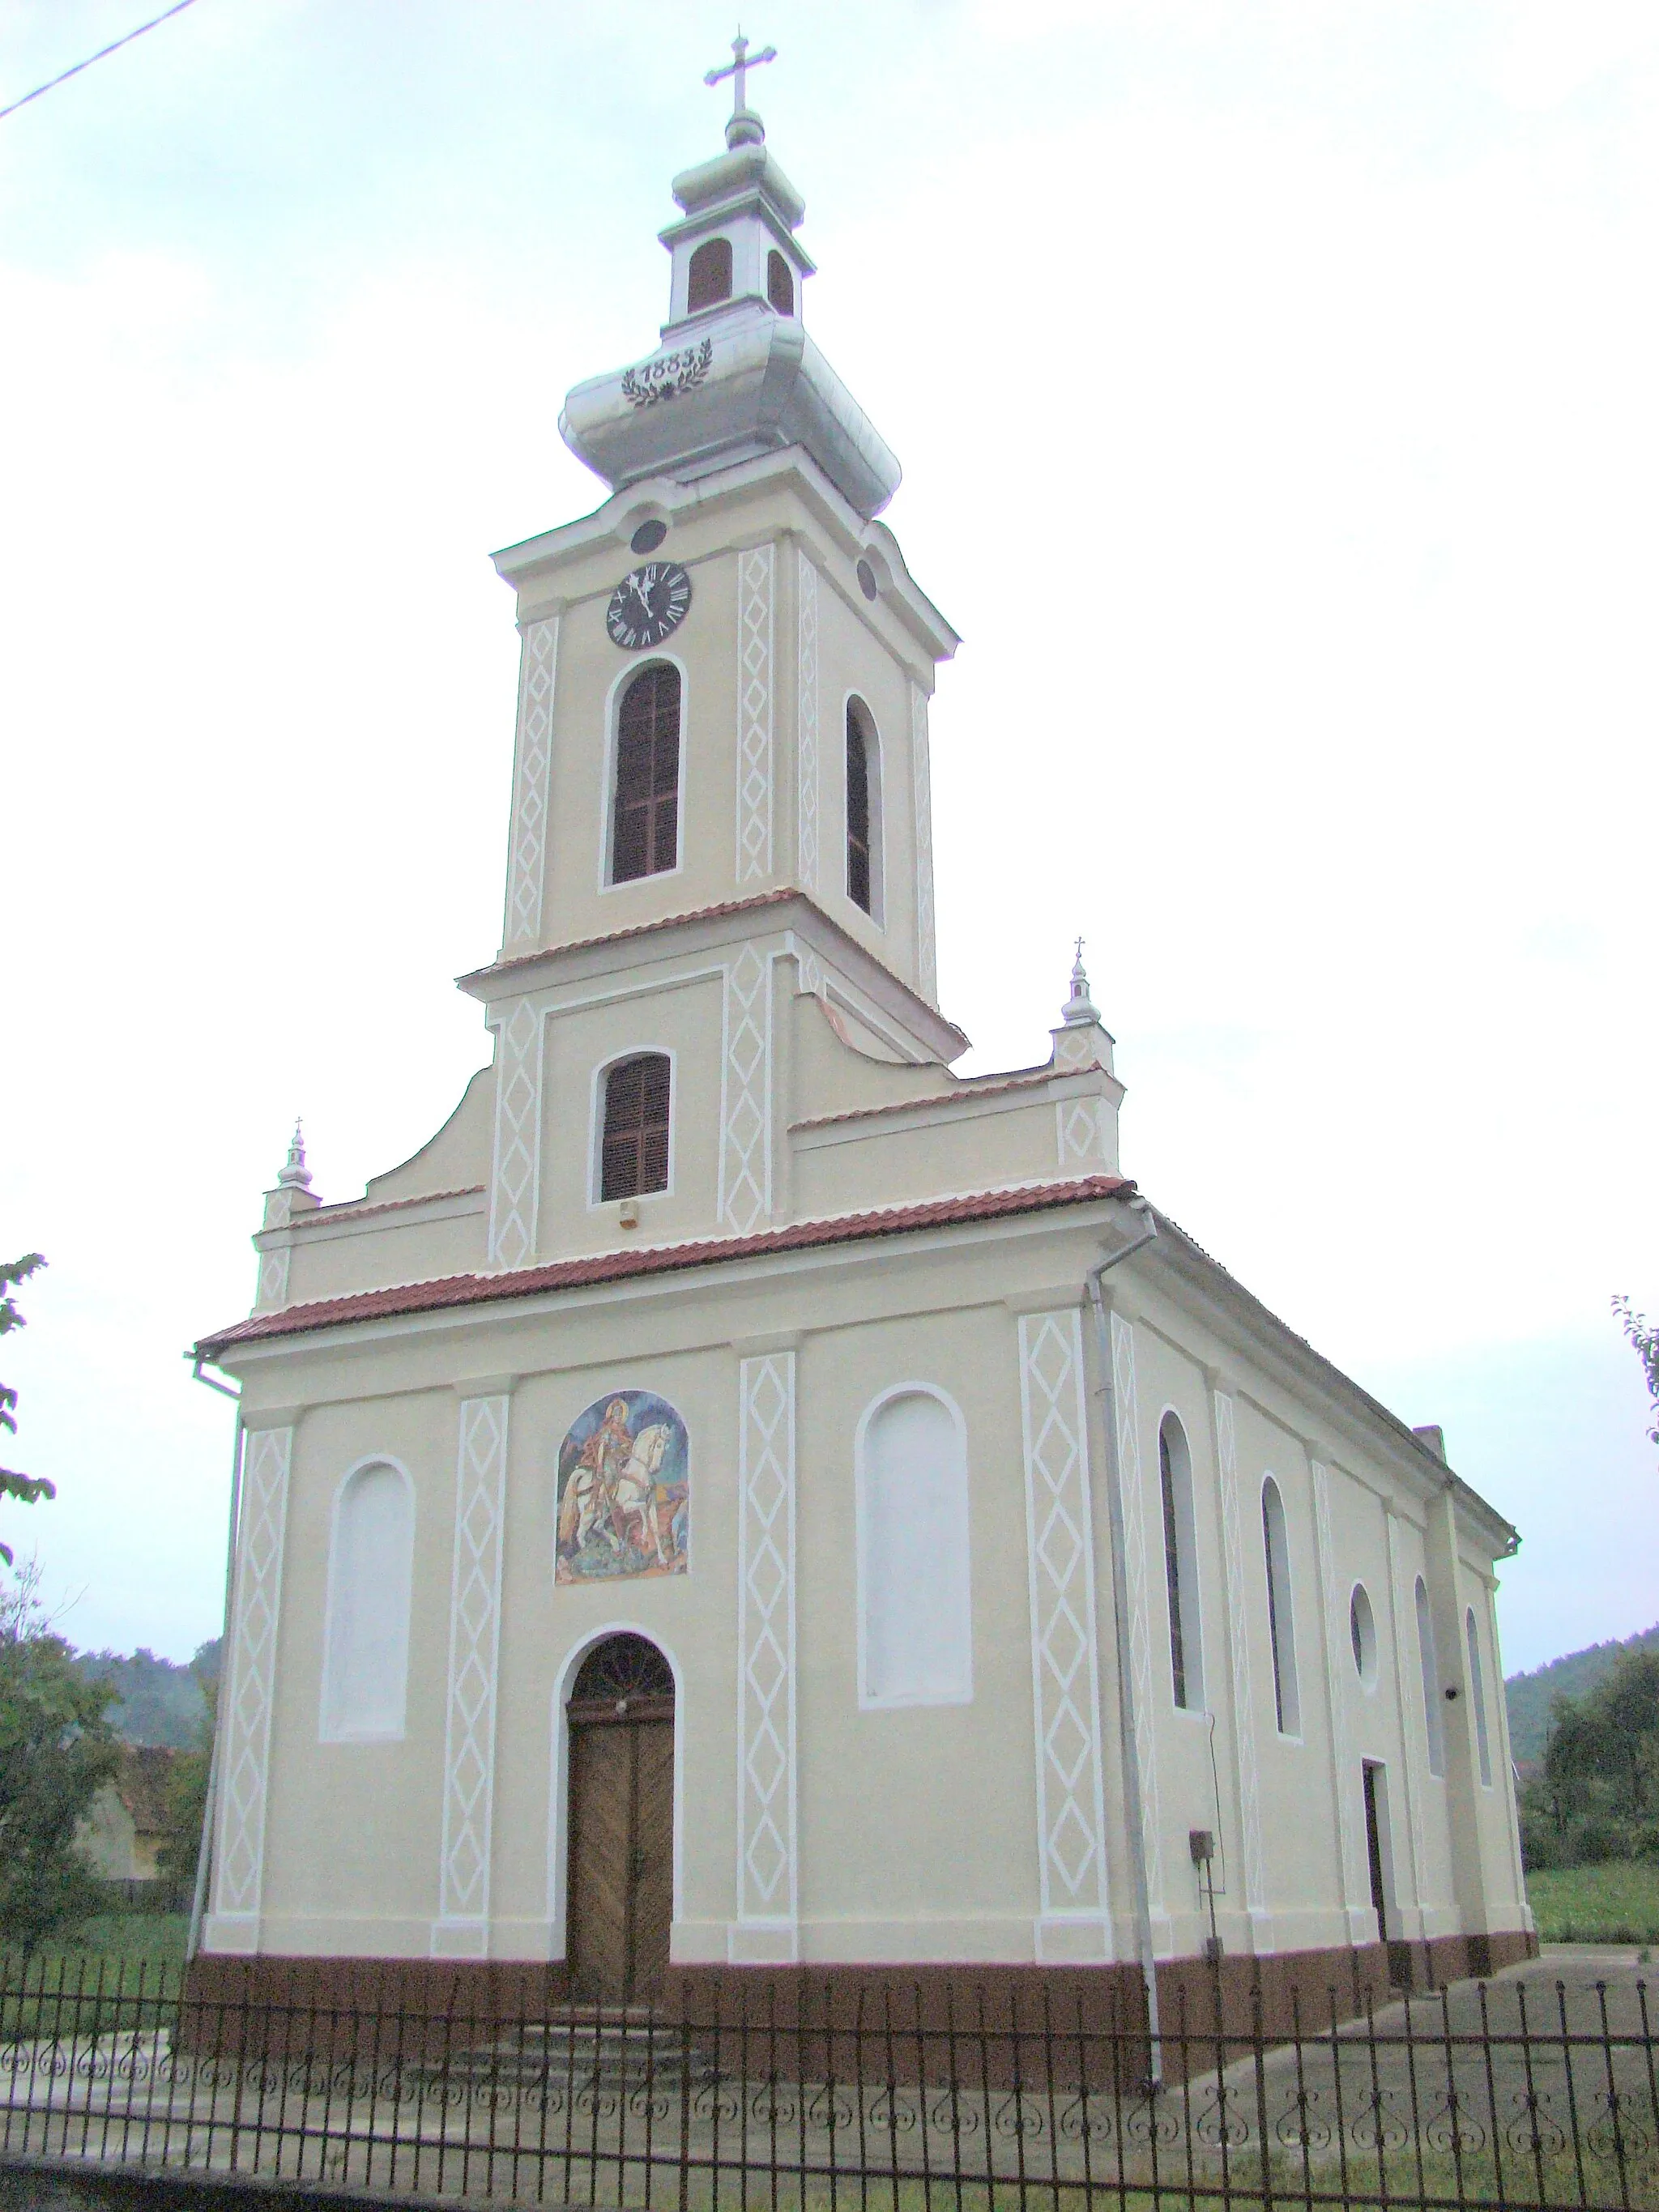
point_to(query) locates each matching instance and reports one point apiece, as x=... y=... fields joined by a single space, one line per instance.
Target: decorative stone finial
x=1080 y=1008
x=296 y=1175
x=745 y=127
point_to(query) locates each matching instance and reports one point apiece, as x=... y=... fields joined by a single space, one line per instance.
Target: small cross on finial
x=745 y=127
x=1079 y=951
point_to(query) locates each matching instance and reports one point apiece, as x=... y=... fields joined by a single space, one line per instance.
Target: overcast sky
x=1275 y=388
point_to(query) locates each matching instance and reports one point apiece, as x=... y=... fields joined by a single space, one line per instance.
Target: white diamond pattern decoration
x=238 y=1872
x=766 y=1639
x=273 y=1278
x=1080 y=1145
x=1065 y=1672
x=745 y=1191
x=517 y=1124
x=922 y=782
x=527 y=853
x=806 y=721
x=755 y=570
x=1239 y=1652
x=474 y=1635
x=1134 y=1569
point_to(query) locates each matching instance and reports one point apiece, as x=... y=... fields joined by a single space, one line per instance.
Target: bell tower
x=724 y=695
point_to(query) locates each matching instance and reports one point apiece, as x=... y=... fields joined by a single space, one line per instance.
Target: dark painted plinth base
x=836 y=2019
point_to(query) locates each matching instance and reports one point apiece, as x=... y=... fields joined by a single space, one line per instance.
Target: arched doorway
x=621 y=1888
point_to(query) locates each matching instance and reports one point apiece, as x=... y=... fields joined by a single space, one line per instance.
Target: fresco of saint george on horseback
x=624 y=1497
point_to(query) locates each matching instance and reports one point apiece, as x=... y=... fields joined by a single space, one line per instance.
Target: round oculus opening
x=1362 y=1631
x=866 y=577
x=647 y=538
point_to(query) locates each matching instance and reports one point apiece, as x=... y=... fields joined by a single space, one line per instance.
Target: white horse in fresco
x=625 y=1504
x=635 y=1501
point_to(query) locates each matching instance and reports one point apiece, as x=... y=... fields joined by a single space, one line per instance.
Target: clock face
x=647 y=605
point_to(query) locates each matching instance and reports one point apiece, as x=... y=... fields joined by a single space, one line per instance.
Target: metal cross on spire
x=738 y=69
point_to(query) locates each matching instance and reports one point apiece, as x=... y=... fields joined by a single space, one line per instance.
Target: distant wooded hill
x=161 y=1704
x=1529 y=1697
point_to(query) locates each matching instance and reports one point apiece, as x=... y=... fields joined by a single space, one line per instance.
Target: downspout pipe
x=204 y=1848
x=1125 y=1690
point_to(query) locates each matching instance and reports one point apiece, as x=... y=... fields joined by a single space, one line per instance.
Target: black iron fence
x=1534 y=2090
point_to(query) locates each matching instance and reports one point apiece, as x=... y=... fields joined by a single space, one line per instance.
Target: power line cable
x=63 y=75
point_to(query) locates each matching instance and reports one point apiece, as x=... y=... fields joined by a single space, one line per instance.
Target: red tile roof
x=358 y=1206
x=967 y=1087
x=663 y=1259
x=782 y=896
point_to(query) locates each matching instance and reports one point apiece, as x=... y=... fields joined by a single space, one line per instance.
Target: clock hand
x=642 y=594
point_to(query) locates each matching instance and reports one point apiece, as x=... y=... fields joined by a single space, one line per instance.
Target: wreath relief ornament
x=668 y=376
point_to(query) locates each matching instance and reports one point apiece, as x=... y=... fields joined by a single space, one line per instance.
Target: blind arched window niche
x=1281 y=1619
x=1175 y=1474
x=645 y=819
x=915 y=1602
x=366 y=1637
x=863 y=809
x=634 y=1129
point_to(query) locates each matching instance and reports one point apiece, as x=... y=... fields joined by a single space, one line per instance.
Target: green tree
x=56 y=1752
x=26 y=1488
x=187 y=1787
x=1644 y=1337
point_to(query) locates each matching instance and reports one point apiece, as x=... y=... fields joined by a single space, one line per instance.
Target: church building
x=743 y=1501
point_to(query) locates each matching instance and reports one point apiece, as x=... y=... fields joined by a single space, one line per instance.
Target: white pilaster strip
x=533 y=764
x=516 y=1173
x=1140 y=1619
x=239 y=1860
x=745 y=1184
x=921 y=770
x=462 y=1928
x=1408 y=1701
x=1239 y=1652
x=1345 y=1779
x=767 y=1899
x=1074 y=1916
x=756 y=573
x=806 y=721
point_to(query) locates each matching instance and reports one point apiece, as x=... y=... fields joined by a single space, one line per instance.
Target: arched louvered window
x=1477 y=1691
x=1175 y=1474
x=645 y=823
x=634 y=1149
x=863 y=810
x=1429 y=1660
x=366 y=1640
x=708 y=279
x=779 y=283
x=1281 y=1619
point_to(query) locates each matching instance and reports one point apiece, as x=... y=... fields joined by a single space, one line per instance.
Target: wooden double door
x=621 y=1888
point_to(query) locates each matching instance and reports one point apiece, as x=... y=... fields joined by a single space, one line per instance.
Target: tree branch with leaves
x=25 y=1488
x=1645 y=1337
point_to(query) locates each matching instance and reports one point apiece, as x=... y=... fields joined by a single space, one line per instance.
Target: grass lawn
x=129 y=1937
x=1618 y=1903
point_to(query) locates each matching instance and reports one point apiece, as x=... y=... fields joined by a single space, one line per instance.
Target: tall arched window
x=1477 y=1691
x=863 y=810
x=1175 y=1472
x=634 y=1147
x=915 y=1602
x=1281 y=1619
x=779 y=283
x=708 y=279
x=1428 y=1659
x=645 y=821
x=366 y=1650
